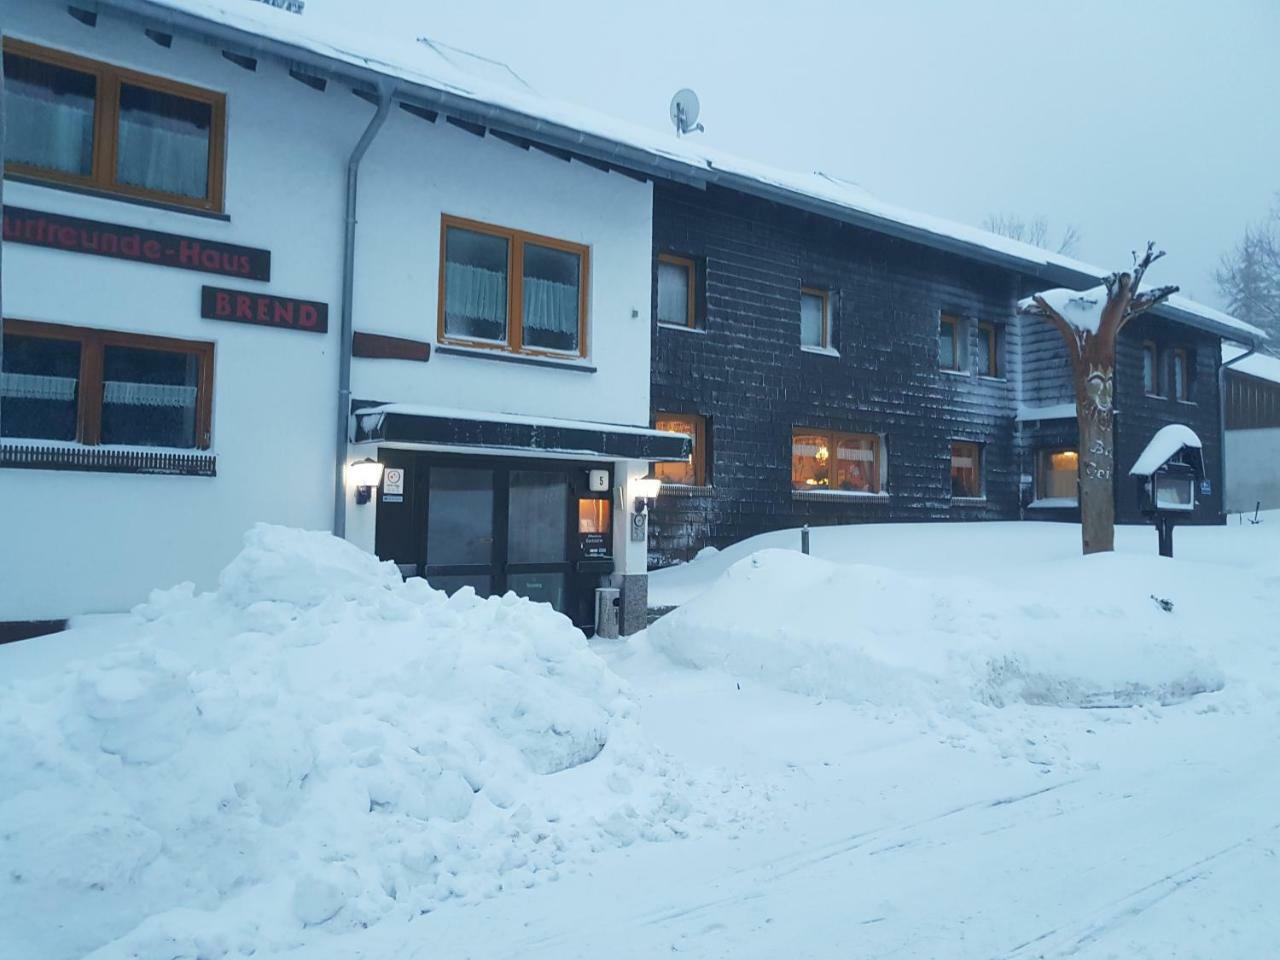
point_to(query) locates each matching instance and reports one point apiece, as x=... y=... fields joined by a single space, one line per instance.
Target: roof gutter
x=1222 y=419
x=182 y=23
x=342 y=434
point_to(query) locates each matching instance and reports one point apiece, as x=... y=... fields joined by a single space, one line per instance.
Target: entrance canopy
x=465 y=430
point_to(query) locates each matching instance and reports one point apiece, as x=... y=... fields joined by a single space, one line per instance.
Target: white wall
x=415 y=172
x=78 y=542
x=1253 y=469
x=83 y=542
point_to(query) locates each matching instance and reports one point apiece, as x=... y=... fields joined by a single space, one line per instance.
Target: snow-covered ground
x=922 y=741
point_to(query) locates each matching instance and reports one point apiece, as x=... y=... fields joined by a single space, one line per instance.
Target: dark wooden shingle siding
x=743 y=369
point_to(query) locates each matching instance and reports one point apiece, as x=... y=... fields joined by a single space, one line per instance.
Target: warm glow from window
x=855 y=468
x=691 y=472
x=593 y=516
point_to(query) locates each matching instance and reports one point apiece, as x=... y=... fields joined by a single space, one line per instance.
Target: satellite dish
x=684 y=111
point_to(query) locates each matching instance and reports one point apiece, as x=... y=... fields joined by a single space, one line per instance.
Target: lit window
x=988 y=350
x=545 y=313
x=676 y=289
x=1181 y=376
x=78 y=121
x=815 y=319
x=826 y=460
x=1150 y=370
x=949 y=342
x=693 y=471
x=1057 y=475
x=966 y=469
x=105 y=387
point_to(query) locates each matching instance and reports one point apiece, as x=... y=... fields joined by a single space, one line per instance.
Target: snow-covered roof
x=488 y=416
x=1259 y=365
x=420 y=69
x=1052 y=411
x=1165 y=444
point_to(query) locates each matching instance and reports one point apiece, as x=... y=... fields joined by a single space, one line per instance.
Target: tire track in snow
x=1061 y=942
x=753 y=882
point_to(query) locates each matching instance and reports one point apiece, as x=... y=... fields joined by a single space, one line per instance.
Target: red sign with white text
x=265 y=309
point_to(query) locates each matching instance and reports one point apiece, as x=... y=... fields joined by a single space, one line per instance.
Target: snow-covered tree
x=1090 y=321
x=1034 y=231
x=1249 y=276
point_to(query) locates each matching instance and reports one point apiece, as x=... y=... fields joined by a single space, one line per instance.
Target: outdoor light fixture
x=364 y=475
x=646 y=491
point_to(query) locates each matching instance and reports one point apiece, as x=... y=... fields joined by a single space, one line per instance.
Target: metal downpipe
x=345 y=333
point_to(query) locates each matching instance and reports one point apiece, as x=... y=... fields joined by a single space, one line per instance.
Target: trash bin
x=608 y=600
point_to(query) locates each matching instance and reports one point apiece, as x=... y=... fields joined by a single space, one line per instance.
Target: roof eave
x=620 y=154
x=180 y=22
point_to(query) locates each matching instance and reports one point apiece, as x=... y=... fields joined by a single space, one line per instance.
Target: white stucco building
x=176 y=246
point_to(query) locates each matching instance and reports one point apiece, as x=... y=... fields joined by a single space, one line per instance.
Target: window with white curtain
x=163 y=142
x=48 y=115
x=82 y=122
x=506 y=289
x=677 y=279
x=97 y=386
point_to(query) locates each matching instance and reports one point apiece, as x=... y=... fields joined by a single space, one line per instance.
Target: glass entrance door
x=538 y=535
x=461 y=547
x=498 y=530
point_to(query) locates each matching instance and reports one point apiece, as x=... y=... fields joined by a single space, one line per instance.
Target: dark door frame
x=580 y=573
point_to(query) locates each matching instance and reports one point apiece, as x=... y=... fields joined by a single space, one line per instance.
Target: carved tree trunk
x=1093 y=366
x=1094 y=376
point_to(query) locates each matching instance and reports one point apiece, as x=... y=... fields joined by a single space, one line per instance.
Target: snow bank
x=1086 y=634
x=317 y=744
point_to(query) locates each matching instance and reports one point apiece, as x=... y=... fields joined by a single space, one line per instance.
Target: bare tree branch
x=1140 y=266
x=1142 y=302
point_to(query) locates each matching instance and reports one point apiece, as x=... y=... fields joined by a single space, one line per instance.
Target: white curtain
x=673 y=293
x=148 y=394
x=158 y=155
x=550 y=307
x=473 y=293
x=54 y=136
x=34 y=386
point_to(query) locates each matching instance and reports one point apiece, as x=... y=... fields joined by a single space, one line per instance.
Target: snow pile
x=1168 y=440
x=315 y=744
x=1088 y=634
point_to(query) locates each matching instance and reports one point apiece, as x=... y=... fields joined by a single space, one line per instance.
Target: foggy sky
x=1133 y=121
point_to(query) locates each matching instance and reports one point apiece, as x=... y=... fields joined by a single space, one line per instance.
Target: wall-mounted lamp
x=364 y=475
x=646 y=490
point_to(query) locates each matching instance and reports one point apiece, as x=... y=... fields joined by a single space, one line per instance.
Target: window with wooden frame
x=949 y=343
x=831 y=461
x=1181 y=375
x=1058 y=476
x=677 y=291
x=509 y=290
x=691 y=472
x=96 y=387
x=72 y=120
x=1150 y=369
x=989 y=344
x=966 y=470
x=815 y=319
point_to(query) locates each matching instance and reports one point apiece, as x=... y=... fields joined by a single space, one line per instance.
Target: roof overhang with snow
x=1170 y=441
x=259 y=30
x=514 y=434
